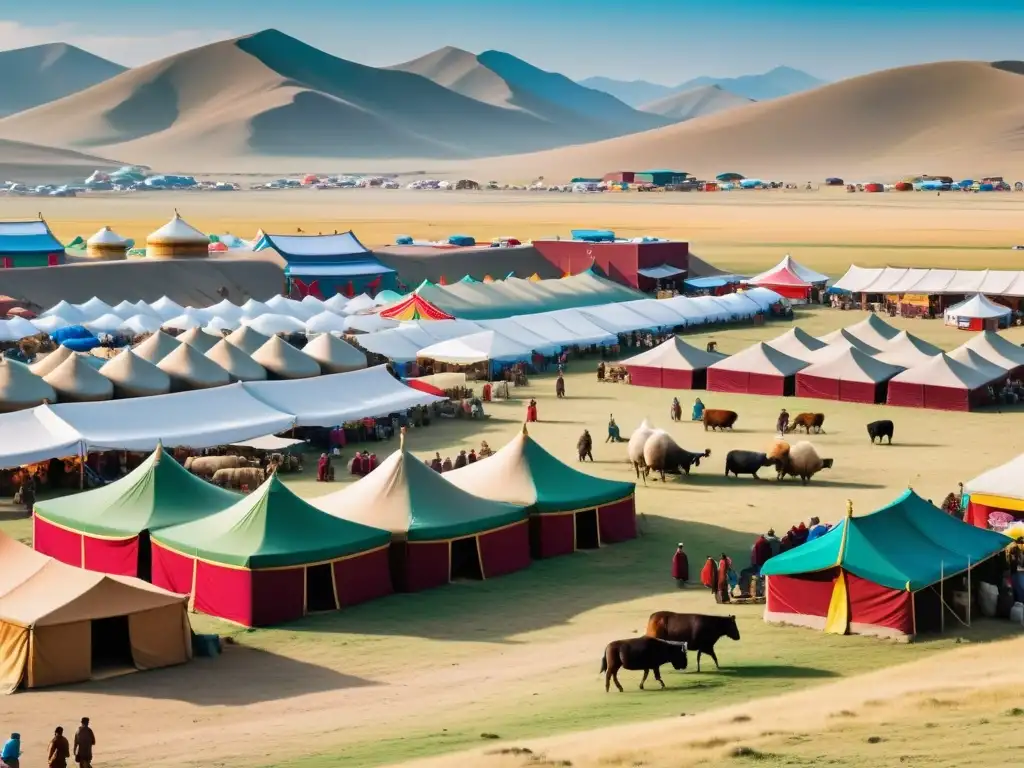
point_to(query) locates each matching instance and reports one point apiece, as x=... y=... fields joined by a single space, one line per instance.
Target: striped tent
x=415 y=308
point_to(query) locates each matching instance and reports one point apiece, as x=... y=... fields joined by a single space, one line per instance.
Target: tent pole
x=942 y=597
x=968 y=591
x=81 y=471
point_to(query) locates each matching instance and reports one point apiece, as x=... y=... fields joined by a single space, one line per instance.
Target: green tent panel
x=156 y=494
x=908 y=544
x=271 y=528
x=468 y=279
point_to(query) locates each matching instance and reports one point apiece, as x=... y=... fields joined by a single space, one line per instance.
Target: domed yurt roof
x=247 y=339
x=283 y=361
x=199 y=339
x=177 y=239
x=20 y=388
x=106 y=245
x=189 y=369
x=51 y=361
x=76 y=380
x=106 y=236
x=156 y=347
x=334 y=355
x=239 y=365
x=133 y=376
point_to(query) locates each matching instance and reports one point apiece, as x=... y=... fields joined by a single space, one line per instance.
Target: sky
x=666 y=42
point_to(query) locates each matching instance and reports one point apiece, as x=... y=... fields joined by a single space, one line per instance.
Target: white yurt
x=106 y=245
x=20 y=388
x=239 y=365
x=272 y=324
x=50 y=361
x=75 y=380
x=334 y=355
x=247 y=339
x=177 y=239
x=189 y=369
x=197 y=338
x=166 y=308
x=141 y=323
x=156 y=347
x=283 y=361
x=132 y=376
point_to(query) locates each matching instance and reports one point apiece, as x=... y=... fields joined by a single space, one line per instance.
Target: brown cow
x=646 y=653
x=808 y=421
x=699 y=631
x=715 y=418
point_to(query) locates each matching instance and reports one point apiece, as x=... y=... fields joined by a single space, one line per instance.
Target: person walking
x=59 y=750
x=782 y=424
x=85 y=740
x=10 y=757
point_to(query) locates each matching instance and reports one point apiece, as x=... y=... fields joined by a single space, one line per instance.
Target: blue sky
x=683 y=39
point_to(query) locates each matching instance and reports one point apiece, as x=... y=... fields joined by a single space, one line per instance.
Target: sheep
x=717 y=418
x=802 y=461
x=236 y=477
x=635 y=448
x=207 y=466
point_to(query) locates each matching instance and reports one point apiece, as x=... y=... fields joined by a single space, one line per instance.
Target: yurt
x=247 y=339
x=75 y=380
x=134 y=376
x=20 y=388
x=106 y=245
x=757 y=370
x=198 y=339
x=849 y=375
x=439 y=532
x=283 y=361
x=239 y=365
x=569 y=510
x=978 y=313
x=334 y=355
x=107 y=529
x=177 y=240
x=189 y=369
x=156 y=347
x=673 y=364
x=272 y=557
x=52 y=360
x=57 y=622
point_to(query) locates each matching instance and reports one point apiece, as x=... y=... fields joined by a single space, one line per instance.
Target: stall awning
x=661 y=272
x=348 y=269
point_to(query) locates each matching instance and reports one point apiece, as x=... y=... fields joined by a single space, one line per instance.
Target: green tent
x=387 y=297
x=271 y=528
x=906 y=545
x=156 y=494
x=468 y=279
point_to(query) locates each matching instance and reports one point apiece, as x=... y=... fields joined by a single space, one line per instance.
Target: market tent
x=972 y=359
x=941 y=383
x=415 y=307
x=189 y=369
x=50 y=361
x=783 y=279
x=797 y=343
x=141 y=323
x=873 y=331
x=132 y=376
x=789 y=263
x=53 y=617
x=285 y=306
x=392 y=345
x=156 y=347
x=843 y=338
x=35 y=434
x=326 y=322
x=65 y=310
x=50 y=323
x=521 y=335
x=656 y=311
x=198 y=339
x=272 y=557
x=443 y=330
x=569 y=510
x=972 y=313
x=616 y=318
x=327 y=401
x=673 y=364
x=272 y=324
x=94 y=308
x=226 y=310
x=253 y=308
x=1000 y=489
x=219 y=325
x=877 y=574
x=361 y=303
x=335 y=303
x=334 y=355
x=283 y=361
x=108 y=323
x=757 y=370
x=75 y=380
x=996 y=349
x=486 y=346
x=247 y=339
x=239 y=366
x=568 y=327
x=907 y=350
x=20 y=388
x=166 y=308
x=439 y=532
x=849 y=375
x=368 y=323
x=107 y=529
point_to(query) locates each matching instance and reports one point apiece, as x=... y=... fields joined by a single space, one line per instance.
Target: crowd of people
x=462 y=460
x=59 y=750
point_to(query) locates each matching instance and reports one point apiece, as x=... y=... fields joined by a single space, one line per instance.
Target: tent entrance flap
x=837 y=621
x=111 y=647
x=587 y=535
x=465 y=559
x=320 y=591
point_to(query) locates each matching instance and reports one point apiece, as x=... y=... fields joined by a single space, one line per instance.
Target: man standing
x=680 y=567
x=85 y=740
x=773 y=542
x=59 y=751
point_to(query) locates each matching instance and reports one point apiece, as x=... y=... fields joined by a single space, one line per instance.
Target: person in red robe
x=321 y=468
x=709 y=574
x=371 y=463
x=680 y=567
x=471 y=458
x=357 y=465
x=760 y=553
x=722 y=585
x=531 y=411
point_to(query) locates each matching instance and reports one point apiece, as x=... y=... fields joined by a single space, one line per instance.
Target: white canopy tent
x=977 y=307
x=36 y=434
x=521 y=335
x=932 y=281
x=66 y=311
x=272 y=324
x=326 y=322
x=477 y=348
x=360 y=303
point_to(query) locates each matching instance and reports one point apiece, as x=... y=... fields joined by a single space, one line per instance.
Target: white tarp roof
x=272 y=324
x=476 y=348
x=797 y=343
x=932 y=281
x=996 y=349
x=851 y=364
x=656 y=311
x=1005 y=480
x=977 y=306
x=806 y=274
x=360 y=303
x=873 y=331
x=942 y=371
x=326 y=322
x=760 y=358
x=687 y=308
x=35 y=435
x=568 y=327
x=344 y=244
x=676 y=355
x=521 y=335
x=714 y=310
x=972 y=359
x=269 y=443
x=391 y=344
x=616 y=318
x=765 y=297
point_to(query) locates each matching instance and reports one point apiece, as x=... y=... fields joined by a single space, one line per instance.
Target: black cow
x=880 y=429
x=646 y=653
x=698 y=631
x=746 y=463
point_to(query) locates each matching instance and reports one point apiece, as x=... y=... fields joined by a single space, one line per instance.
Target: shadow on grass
x=767 y=479
x=775 y=672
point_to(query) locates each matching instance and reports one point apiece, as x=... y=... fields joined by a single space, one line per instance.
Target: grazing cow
x=646 y=653
x=880 y=429
x=808 y=421
x=715 y=418
x=746 y=463
x=662 y=454
x=699 y=631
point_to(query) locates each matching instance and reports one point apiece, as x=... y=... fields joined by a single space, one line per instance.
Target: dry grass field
x=414 y=676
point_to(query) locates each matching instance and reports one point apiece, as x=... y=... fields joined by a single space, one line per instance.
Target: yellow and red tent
x=415 y=308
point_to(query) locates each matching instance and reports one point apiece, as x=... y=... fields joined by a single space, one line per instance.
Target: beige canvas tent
x=177 y=240
x=20 y=388
x=236 y=362
x=52 y=360
x=189 y=369
x=132 y=376
x=247 y=339
x=335 y=355
x=60 y=624
x=198 y=339
x=75 y=380
x=283 y=361
x=106 y=245
x=156 y=347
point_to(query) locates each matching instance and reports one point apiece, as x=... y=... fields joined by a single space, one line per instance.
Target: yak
x=662 y=454
x=746 y=463
x=716 y=418
x=880 y=429
x=698 y=631
x=646 y=653
x=808 y=421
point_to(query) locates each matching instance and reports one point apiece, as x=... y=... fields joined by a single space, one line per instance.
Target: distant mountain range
x=43 y=73
x=696 y=102
x=773 y=84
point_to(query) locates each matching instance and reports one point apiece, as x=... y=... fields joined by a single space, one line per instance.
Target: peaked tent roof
x=873 y=330
x=20 y=388
x=996 y=349
x=789 y=264
x=156 y=347
x=905 y=340
x=476 y=348
x=781 y=274
x=50 y=361
x=908 y=544
x=239 y=365
x=797 y=343
x=75 y=379
x=134 y=376
x=943 y=371
x=844 y=338
x=27 y=237
x=978 y=306
x=198 y=339
x=1006 y=481
x=271 y=528
x=156 y=494
x=415 y=307
x=312 y=247
x=192 y=370
x=247 y=339
x=851 y=364
x=972 y=359
x=406 y=497
x=334 y=355
x=284 y=361
x=760 y=358
x=523 y=473
x=676 y=355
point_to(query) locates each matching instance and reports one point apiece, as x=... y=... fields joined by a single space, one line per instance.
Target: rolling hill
x=952 y=117
x=43 y=73
x=635 y=93
x=270 y=95
x=35 y=163
x=698 y=102
x=505 y=81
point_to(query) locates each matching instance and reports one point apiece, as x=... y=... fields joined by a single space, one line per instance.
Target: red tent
x=415 y=308
x=784 y=281
x=848 y=375
x=757 y=370
x=673 y=364
x=941 y=383
x=424 y=386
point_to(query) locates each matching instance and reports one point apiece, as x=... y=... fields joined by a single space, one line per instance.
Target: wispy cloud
x=130 y=50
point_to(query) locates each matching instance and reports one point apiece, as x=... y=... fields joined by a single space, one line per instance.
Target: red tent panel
x=364 y=577
x=741 y=382
x=696 y=379
x=788 y=291
x=617 y=521
x=806 y=596
x=644 y=376
x=908 y=395
x=57 y=542
x=505 y=550
x=875 y=609
x=116 y=556
x=817 y=386
x=553 y=534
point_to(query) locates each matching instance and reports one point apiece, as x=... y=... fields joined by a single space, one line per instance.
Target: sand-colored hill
x=43 y=73
x=697 y=102
x=271 y=95
x=960 y=118
x=26 y=162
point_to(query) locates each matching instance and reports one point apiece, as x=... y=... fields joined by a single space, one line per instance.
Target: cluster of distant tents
x=930 y=184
